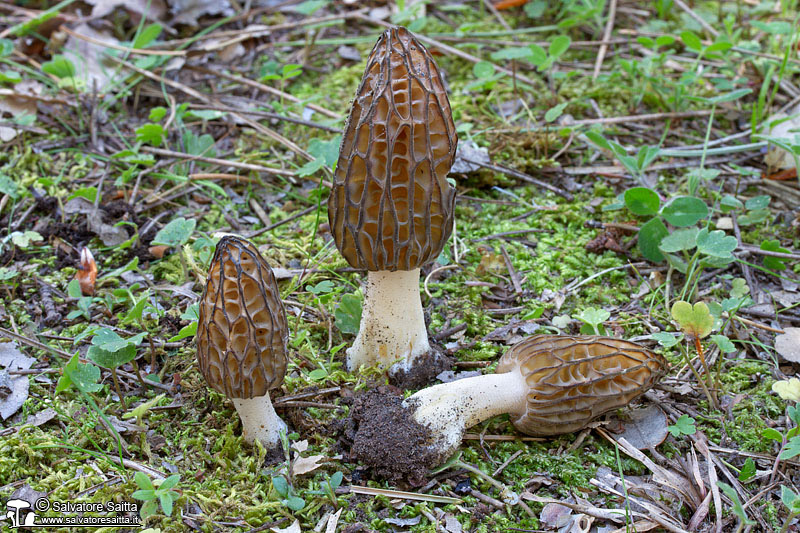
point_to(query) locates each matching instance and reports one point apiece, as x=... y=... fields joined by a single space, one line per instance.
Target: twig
x=267 y=89
x=220 y=162
x=282 y=222
x=601 y=53
x=524 y=177
x=700 y=20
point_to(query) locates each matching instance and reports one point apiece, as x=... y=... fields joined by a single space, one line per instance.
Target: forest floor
x=615 y=158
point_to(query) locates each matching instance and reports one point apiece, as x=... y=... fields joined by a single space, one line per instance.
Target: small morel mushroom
x=549 y=384
x=242 y=334
x=391 y=208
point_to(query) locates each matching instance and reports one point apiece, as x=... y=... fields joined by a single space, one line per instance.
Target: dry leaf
x=778 y=157
x=294 y=528
x=91 y=63
x=647 y=427
x=188 y=11
x=304 y=465
x=87 y=272
x=151 y=9
x=21 y=101
x=788 y=390
x=788 y=345
x=13 y=389
x=300 y=446
x=333 y=521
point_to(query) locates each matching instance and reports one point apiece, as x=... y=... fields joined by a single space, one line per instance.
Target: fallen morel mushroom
x=549 y=384
x=391 y=208
x=242 y=334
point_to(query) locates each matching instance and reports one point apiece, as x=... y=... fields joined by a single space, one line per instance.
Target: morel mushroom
x=242 y=334
x=391 y=208
x=549 y=384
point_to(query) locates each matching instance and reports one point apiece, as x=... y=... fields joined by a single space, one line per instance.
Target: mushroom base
x=448 y=409
x=260 y=422
x=392 y=331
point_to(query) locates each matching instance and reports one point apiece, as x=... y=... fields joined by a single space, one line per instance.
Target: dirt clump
x=388 y=440
x=425 y=369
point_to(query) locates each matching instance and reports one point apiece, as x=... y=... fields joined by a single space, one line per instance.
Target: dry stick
x=697 y=17
x=266 y=89
x=220 y=162
x=770 y=253
x=454 y=51
x=524 y=177
x=601 y=53
x=107 y=44
x=267 y=114
x=282 y=222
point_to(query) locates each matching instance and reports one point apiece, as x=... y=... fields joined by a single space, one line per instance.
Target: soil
x=388 y=440
x=424 y=371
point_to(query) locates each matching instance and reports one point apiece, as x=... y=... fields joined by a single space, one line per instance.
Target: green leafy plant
x=175 y=234
x=593 y=321
x=110 y=351
x=328 y=488
x=684 y=425
x=348 y=313
x=635 y=165
x=153 y=494
x=696 y=322
x=288 y=496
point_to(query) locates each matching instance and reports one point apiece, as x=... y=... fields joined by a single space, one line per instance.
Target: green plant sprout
x=175 y=234
x=696 y=322
x=153 y=494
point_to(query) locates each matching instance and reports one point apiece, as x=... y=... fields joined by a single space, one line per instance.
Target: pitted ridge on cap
x=574 y=379
x=241 y=331
x=391 y=207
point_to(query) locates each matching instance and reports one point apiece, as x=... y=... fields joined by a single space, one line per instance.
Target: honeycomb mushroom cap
x=241 y=331
x=574 y=379
x=391 y=207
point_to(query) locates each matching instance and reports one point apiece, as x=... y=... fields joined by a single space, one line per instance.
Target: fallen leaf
x=333 y=521
x=91 y=64
x=788 y=345
x=294 y=528
x=21 y=102
x=467 y=154
x=646 y=428
x=300 y=446
x=151 y=9
x=158 y=251
x=788 y=389
x=13 y=389
x=555 y=515
x=188 y=11
x=778 y=157
x=110 y=235
x=403 y=522
x=304 y=465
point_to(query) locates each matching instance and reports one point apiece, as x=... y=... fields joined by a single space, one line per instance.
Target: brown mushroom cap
x=574 y=379
x=241 y=331
x=391 y=207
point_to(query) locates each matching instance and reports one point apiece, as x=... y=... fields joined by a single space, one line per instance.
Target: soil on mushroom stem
x=388 y=440
x=426 y=367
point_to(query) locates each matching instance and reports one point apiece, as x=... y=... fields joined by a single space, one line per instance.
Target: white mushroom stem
x=448 y=409
x=260 y=422
x=392 y=324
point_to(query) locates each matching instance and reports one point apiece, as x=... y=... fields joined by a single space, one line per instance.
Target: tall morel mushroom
x=391 y=207
x=242 y=334
x=549 y=384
